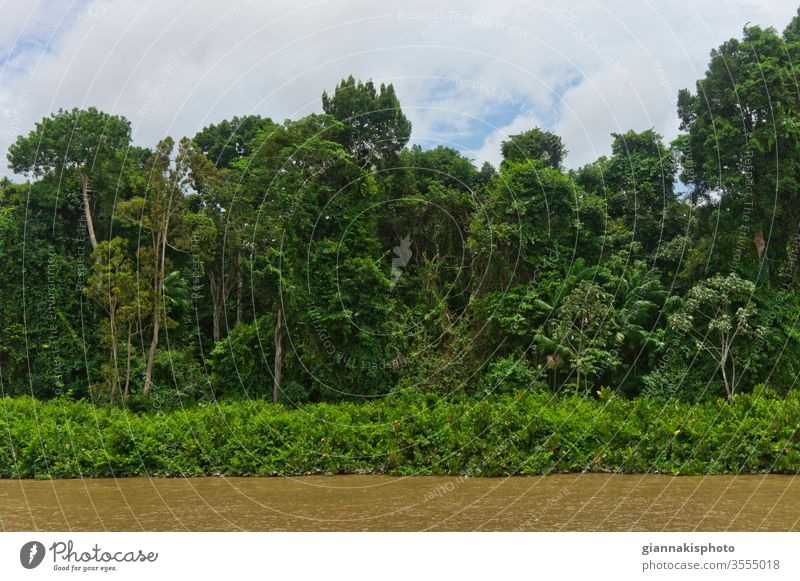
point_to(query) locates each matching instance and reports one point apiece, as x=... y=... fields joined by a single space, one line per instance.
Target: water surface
x=574 y=502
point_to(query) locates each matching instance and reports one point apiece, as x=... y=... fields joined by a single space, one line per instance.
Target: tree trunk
x=760 y=244
x=728 y=390
x=114 y=383
x=128 y=364
x=220 y=291
x=215 y=308
x=151 y=355
x=159 y=299
x=215 y=316
x=239 y=289
x=278 y=358
x=114 y=357
x=87 y=211
x=580 y=350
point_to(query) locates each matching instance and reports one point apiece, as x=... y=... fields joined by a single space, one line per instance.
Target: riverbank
x=534 y=433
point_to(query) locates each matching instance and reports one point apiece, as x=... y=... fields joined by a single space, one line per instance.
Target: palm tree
x=638 y=294
x=176 y=292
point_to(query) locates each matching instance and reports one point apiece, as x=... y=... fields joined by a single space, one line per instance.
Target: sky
x=468 y=73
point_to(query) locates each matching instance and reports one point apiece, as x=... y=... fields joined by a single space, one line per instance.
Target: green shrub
x=411 y=433
x=507 y=375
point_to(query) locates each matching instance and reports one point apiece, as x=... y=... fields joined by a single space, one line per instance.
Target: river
x=574 y=502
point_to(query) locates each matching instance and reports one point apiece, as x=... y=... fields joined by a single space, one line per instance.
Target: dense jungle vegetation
x=405 y=434
x=323 y=260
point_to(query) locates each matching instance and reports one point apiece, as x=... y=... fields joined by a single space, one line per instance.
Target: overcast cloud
x=467 y=73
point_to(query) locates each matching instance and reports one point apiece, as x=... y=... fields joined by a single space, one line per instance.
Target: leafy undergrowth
x=532 y=433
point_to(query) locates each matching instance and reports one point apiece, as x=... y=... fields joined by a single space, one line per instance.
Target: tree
x=740 y=148
x=315 y=248
x=46 y=329
x=638 y=292
x=85 y=146
x=230 y=140
x=639 y=180
x=584 y=325
x=161 y=214
x=720 y=317
x=220 y=200
x=114 y=285
x=430 y=198
x=375 y=128
x=528 y=212
x=535 y=144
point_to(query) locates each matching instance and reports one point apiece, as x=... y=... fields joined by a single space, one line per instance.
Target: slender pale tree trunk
x=723 y=364
x=278 y=358
x=128 y=363
x=159 y=291
x=114 y=384
x=114 y=357
x=151 y=354
x=87 y=210
x=580 y=351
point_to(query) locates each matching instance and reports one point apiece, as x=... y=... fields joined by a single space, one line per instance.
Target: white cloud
x=173 y=67
x=490 y=150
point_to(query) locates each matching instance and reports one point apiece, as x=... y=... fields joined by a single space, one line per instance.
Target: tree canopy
x=326 y=259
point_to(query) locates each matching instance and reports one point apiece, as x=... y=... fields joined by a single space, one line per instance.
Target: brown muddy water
x=575 y=502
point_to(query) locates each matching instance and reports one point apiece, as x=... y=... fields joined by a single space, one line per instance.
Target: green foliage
x=230 y=140
x=528 y=213
x=585 y=331
x=741 y=144
x=509 y=375
x=241 y=364
x=179 y=379
x=719 y=315
x=535 y=144
x=41 y=284
x=88 y=151
x=530 y=433
x=375 y=127
x=325 y=256
x=114 y=285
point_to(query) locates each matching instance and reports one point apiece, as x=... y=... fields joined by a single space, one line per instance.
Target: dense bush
x=408 y=434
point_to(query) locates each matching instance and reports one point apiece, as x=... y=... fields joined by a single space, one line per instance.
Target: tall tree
x=585 y=327
x=220 y=200
x=229 y=140
x=720 y=317
x=84 y=146
x=639 y=182
x=528 y=212
x=535 y=144
x=114 y=285
x=740 y=149
x=375 y=128
x=160 y=212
